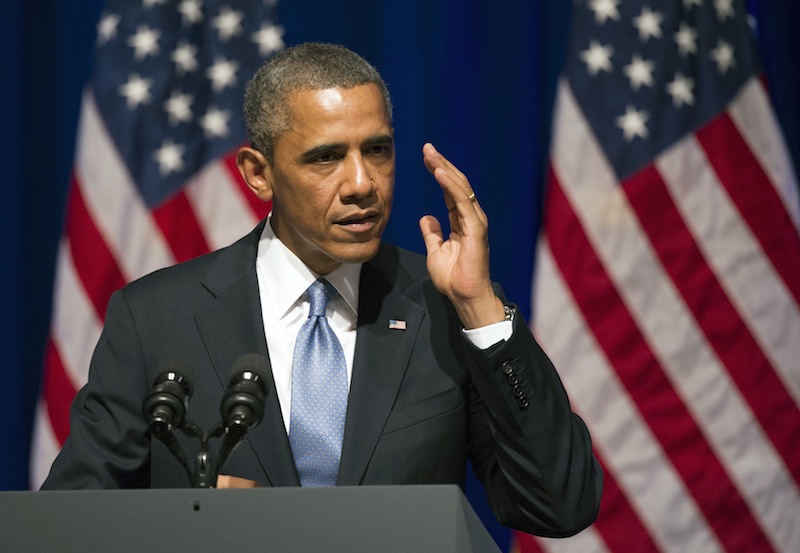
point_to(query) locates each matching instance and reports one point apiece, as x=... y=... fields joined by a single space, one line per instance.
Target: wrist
x=480 y=313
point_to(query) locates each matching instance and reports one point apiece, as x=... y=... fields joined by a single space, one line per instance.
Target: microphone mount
x=241 y=409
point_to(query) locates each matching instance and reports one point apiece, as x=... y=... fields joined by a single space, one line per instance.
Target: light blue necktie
x=319 y=394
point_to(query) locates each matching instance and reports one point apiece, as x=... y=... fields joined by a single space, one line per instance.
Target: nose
x=358 y=182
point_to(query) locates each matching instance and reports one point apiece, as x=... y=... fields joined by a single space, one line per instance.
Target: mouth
x=360 y=222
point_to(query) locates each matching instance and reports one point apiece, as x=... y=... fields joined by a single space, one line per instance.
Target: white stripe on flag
x=44 y=446
x=75 y=325
x=219 y=206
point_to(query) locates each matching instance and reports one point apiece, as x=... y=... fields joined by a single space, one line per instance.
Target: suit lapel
x=231 y=327
x=381 y=356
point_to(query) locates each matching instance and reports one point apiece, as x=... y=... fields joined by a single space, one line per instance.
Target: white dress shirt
x=282 y=283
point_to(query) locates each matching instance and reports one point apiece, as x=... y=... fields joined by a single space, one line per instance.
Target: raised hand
x=459 y=264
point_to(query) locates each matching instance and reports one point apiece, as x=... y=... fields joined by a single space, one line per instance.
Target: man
x=435 y=368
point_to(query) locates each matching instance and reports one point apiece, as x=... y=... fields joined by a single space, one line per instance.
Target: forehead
x=318 y=114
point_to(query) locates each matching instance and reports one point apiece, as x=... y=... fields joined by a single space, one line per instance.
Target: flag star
x=228 y=23
x=191 y=12
x=723 y=56
x=639 y=72
x=597 y=58
x=686 y=39
x=144 y=42
x=169 y=157
x=178 y=107
x=107 y=28
x=633 y=123
x=604 y=10
x=648 y=23
x=681 y=90
x=215 y=123
x=222 y=74
x=185 y=57
x=269 y=39
x=724 y=9
x=136 y=90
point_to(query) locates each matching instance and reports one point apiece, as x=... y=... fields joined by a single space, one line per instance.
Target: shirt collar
x=287 y=277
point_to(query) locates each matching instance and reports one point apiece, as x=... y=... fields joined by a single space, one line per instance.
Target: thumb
x=431 y=232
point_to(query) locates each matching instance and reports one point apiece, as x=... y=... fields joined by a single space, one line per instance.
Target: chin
x=360 y=253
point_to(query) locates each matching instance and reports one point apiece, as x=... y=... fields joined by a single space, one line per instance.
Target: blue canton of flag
x=169 y=79
x=663 y=71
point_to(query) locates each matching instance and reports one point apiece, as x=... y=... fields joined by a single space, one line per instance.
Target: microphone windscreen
x=254 y=363
x=182 y=371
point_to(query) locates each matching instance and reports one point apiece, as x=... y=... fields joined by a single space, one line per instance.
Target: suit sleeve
x=532 y=453
x=108 y=445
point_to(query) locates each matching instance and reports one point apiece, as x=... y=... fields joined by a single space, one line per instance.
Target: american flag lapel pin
x=397 y=324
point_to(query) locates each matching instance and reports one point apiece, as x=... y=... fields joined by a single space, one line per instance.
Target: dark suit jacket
x=422 y=400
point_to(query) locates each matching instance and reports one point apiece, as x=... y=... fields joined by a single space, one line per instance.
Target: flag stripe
x=642 y=374
x=95 y=266
x=728 y=246
x=740 y=174
x=76 y=324
x=177 y=221
x=721 y=324
x=756 y=122
x=622 y=438
x=59 y=392
x=218 y=203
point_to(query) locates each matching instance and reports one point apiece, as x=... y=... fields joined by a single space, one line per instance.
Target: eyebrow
x=378 y=140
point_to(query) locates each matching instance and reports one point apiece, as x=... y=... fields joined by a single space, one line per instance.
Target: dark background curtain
x=474 y=77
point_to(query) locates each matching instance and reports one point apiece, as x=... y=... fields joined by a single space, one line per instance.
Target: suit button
x=523 y=403
x=507 y=368
x=517 y=391
x=513 y=380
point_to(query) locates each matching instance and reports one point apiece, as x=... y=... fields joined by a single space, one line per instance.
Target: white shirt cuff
x=487 y=336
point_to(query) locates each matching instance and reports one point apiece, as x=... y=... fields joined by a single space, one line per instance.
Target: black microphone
x=242 y=406
x=165 y=405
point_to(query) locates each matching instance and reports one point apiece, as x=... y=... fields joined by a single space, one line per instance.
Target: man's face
x=332 y=177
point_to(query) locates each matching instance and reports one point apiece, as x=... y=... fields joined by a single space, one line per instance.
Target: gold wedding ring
x=471 y=197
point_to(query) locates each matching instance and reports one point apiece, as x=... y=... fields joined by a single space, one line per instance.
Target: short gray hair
x=308 y=66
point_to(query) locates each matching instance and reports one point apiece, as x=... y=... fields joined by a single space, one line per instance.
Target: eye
x=325 y=157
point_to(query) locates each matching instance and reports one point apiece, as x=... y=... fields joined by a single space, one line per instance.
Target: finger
x=431 y=233
x=456 y=183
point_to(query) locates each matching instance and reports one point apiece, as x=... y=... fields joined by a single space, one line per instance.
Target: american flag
x=666 y=287
x=154 y=179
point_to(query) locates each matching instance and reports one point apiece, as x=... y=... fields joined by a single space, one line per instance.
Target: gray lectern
x=388 y=519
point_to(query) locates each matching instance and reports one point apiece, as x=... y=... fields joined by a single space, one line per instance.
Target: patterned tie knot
x=319 y=293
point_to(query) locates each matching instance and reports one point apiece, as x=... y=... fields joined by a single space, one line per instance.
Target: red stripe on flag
x=181 y=230
x=718 y=318
x=93 y=262
x=642 y=375
x=619 y=515
x=58 y=392
x=261 y=209
x=754 y=195
x=526 y=544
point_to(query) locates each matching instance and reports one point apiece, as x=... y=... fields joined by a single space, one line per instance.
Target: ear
x=256 y=172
